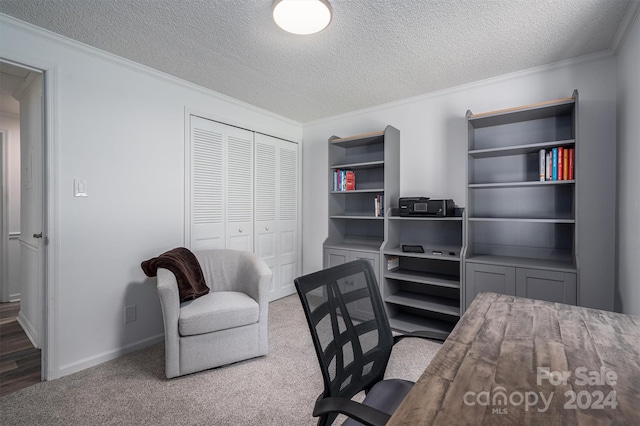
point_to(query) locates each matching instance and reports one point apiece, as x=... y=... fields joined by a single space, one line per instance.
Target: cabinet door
x=552 y=286
x=363 y=308
x=494 y=278
x=334 y=257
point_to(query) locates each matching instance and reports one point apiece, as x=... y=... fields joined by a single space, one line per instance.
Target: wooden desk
x=490 y=365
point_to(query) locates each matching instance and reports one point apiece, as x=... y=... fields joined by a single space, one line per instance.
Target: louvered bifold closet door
x=221 y=186
x=239 y=189
x=276 y=219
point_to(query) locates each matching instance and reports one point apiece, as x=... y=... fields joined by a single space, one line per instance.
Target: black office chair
x=353 y=341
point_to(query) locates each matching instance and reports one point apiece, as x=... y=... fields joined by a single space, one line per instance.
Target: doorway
x=22 y=219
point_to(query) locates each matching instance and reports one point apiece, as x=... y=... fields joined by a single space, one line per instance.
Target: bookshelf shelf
x=358 y=191
x=411 y=323
x=521 y=233
x=521 y=184
x=519 y=219
x=519 y=149
x=361 y=216
x=356 y=166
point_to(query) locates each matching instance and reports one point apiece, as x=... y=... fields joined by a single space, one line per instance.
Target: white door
x=221 y=186
x=276 y=199
x=239 y=189
x=31 y=211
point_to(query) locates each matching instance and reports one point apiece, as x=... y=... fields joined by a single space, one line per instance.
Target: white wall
x=433 y=137
x=11 y=125
x=628 y=250
x=120 y=127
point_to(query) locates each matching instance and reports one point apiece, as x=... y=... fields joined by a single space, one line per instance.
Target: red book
x=560 y=163
x=570 y=165
x=350 y=180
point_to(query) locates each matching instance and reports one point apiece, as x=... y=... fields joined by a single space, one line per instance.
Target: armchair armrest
x=170 y=303
x=360 y=412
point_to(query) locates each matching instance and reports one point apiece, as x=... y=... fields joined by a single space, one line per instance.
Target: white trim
x=92 y=361
x=159 y=75
x=4 y=219
x=22 y=90
x=50 y=362
x=465 y=87
x=630 y=16
x=29 y=329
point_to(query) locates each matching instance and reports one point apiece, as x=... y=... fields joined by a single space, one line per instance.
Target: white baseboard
x=29 y=330
x=83 y=364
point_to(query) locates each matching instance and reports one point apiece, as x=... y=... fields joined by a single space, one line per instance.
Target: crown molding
x=630 y=16
x=467 y=86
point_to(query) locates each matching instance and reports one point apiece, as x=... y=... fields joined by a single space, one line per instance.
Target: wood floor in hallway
x=19 y=360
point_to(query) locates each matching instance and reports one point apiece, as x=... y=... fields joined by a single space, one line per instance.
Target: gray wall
x=628 y=249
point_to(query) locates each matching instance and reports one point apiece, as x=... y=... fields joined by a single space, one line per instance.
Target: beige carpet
x=279 y=389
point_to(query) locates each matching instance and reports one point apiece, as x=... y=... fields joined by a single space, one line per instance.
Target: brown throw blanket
x=184 y=265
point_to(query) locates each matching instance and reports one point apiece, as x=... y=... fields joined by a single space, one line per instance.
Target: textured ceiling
x=374 y=51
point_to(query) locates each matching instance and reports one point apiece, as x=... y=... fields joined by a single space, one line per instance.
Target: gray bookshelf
x=355 y=232
x=521 y=232
x=423 y=291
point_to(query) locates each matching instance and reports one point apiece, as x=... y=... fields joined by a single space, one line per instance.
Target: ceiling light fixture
x=302 y=16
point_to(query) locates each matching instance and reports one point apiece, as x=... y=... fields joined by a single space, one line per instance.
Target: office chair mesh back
x=349 y=327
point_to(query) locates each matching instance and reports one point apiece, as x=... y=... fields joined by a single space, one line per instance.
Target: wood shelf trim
x=360 y=136
x=523 y=108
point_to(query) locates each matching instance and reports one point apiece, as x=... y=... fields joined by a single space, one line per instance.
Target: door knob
x=37 y=235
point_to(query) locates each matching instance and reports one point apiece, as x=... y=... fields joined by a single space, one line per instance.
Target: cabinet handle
x=266 y=228
x=240 y=230
x=37 y=235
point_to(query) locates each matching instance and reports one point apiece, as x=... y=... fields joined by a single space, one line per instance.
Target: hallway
x=19 y=360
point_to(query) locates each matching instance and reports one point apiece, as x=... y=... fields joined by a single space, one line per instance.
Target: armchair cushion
x=216 y=311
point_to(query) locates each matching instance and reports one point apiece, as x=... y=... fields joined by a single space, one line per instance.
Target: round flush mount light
x=302 y=17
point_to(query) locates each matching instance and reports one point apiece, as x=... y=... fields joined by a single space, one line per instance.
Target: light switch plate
x=80 y=188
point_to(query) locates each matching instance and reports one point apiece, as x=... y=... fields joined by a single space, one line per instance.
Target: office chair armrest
x=360 y=412
x=436 y=336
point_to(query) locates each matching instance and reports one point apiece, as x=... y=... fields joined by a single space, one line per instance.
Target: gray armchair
x=227 y=325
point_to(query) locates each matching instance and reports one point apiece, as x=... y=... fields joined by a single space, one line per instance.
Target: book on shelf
x=556 y=164
x=344 y=180
x=349 y=180
x=378 y=205
x=560 y=163
x=570 y=163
